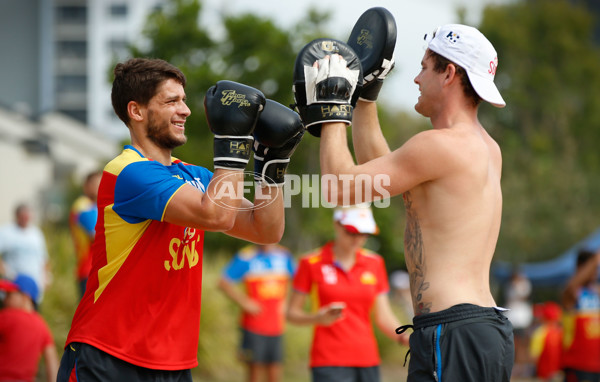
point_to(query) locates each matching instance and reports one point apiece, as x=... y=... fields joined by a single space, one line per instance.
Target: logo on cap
x=493 y=66
x=452 y=37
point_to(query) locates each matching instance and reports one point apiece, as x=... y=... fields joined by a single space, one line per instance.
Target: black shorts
x=345 y=374
x=256 y=348
x=572 y=375
x=466 y=343
x=84 y=362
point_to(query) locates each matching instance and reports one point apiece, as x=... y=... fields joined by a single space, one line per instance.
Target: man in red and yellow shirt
x=346 y=283
x=266 y=271
x=139 y=317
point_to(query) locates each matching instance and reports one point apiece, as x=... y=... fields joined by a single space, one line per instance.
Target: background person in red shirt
x=546 y=342
x=346 y=283
x=24 y=335
x=581 y=324
x=82 y=223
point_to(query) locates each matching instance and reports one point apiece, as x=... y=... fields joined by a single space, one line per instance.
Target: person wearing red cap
x=546 y=342
x=347 y=283
x=24 y=335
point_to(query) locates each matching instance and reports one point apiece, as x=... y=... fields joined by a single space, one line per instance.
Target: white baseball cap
x=470 y=49
x=356 y=219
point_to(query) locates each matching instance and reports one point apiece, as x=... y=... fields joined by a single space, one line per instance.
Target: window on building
x=71 y=14
x=80 y=115
x=72 y=49
x=118 y=47
x=118 y=10
x=71 y=83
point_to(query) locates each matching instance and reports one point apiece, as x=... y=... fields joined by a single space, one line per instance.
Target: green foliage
x=548 y=75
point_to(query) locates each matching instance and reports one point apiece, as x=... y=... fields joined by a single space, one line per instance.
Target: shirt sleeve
x=291 y=266
x=302 y=279
x=87 y=220
x=236 y=269
x=143 y=190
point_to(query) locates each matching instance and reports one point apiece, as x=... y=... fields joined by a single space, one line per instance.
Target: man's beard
x=160 y=134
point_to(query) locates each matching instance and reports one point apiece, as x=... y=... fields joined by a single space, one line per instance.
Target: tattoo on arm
x=413 y=243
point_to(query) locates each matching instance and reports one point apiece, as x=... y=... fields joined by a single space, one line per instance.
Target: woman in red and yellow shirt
x=345 y=282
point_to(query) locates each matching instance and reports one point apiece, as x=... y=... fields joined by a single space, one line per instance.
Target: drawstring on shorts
x=401 y=330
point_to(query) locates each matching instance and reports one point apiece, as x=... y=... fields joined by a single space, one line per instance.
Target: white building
x=112 y=26
x=42 y=158
x=56 y=118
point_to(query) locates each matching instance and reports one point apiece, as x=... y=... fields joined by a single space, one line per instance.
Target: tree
x=548 y=74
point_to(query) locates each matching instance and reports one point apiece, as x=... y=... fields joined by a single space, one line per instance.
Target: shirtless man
x=449 y=177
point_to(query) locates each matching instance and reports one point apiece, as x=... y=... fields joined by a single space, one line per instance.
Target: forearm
x=264 y=221
x=51 y=361
x=232 y=292
x=343 y=182
x=385 y=319
x=369 y=142
x=581 y=277
x=338 y=170
x=300 y=317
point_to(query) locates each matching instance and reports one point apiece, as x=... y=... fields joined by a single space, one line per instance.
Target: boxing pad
x=326 y=92
x=373 y=38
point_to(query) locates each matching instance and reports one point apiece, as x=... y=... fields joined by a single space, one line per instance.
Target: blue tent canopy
x=553 y=272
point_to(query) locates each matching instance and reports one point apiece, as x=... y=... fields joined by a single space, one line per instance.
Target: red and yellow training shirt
x=266 y=275
x=142 y=303
x=349 y=342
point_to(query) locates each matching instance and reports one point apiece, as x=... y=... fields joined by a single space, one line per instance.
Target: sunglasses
x=435 y=32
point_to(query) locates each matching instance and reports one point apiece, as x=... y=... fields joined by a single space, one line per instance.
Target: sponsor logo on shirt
x=368 y=278
x=182 y=250
x=329 y=274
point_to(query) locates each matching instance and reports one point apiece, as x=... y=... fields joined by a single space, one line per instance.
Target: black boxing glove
x=373 y=38
x=232 y=110
x=326 y=93
x=278 y=132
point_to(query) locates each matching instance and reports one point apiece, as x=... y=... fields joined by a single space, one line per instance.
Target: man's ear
x=450 y=74
x=135 y=111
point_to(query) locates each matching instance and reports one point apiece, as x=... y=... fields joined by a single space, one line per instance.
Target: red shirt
x=23 y=337
x=350 y=341
x=142 y=302
x=582 y=333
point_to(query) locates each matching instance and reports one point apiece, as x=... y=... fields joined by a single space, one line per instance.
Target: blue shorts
x=87 y=363
x=466 y=343
x=256 y=348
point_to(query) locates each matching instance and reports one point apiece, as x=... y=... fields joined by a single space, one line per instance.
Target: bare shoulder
x=439 y=145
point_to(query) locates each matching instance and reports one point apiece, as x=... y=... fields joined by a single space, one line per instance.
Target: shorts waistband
x=454 y=313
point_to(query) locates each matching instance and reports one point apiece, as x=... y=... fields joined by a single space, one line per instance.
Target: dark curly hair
x=137 y=80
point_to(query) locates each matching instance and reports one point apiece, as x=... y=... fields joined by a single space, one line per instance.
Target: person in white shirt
x=23 y=249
